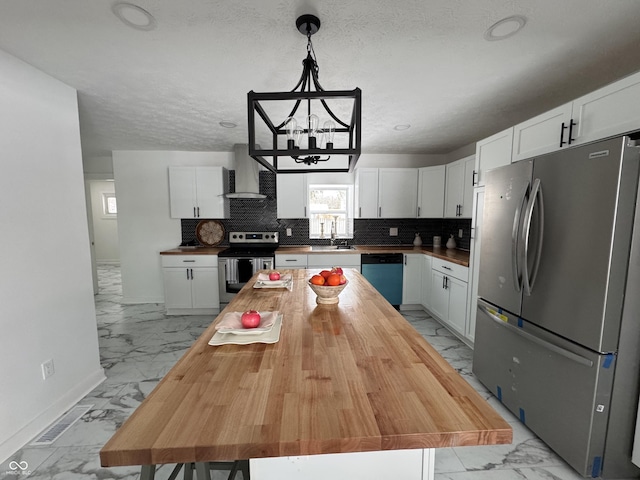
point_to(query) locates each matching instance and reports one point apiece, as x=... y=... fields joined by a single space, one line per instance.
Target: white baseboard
x=23 y=436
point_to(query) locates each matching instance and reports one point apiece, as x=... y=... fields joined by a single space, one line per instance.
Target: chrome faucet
x=333 y=233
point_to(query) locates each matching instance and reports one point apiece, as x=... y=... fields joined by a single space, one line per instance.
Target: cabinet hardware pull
x=305 y=211
x=443 y=277
x=191 y=273
x=418 y=211
x=187 y=274
x=188 y=261
x=290 y=260
x=380 y=212
x=446 y=283
x=448 y=268
x=405 y=259
x=473 y=179
x=571 y=125
x=194 y=212
x=360 y=212
x=198 y=212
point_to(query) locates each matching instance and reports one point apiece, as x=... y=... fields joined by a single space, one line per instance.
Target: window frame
x=348 y=212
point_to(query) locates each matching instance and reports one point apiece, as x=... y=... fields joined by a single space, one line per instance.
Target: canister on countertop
x=437 y=241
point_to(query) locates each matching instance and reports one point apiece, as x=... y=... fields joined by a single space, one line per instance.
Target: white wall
x=461 y=152
x=105 y=228
x=46 y=296
x=144 y=225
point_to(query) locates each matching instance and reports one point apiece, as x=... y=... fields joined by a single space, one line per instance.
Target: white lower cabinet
x=287 y=260
x=190 y=284
x=425 y=298
x=322 y=261
x=449 y=294
x=412 y=279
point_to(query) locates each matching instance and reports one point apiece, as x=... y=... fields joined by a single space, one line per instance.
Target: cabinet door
x=439 y=296
x=204 y=288
x=611 y=110
x=412 y=279
x=474 y=263
x=177 y=287
x=209 y=192
x=493 y=152
x=467 y=188
x=457 y=312
x=291 y=195
x=431 y=182
x=426 y=281
x=454 y=189
x=397 y=192
x=541 y=134
x=366 y=192
x=182 y=192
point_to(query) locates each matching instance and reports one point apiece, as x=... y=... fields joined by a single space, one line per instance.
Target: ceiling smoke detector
x=505 y=28
x=134 y=16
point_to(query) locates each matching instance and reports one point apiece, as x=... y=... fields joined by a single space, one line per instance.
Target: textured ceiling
x=418 y=62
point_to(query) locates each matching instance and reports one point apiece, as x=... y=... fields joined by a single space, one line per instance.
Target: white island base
x=380 y=465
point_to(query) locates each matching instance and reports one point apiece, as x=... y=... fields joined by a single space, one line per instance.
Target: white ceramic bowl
x=327 y=294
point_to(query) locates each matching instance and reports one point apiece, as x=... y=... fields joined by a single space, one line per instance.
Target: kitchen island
x=343 y=379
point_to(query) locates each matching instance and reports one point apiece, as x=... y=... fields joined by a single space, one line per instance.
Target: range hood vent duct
x=247 y=174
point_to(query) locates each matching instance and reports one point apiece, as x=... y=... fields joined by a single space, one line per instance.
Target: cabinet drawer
x=293 y=261
x=189 y=260
x=451 y=269
x=338 y=260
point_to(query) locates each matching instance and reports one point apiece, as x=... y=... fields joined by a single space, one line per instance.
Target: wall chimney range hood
x=247 y=172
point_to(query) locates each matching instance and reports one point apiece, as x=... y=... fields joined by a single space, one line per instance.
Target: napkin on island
x=231 y=321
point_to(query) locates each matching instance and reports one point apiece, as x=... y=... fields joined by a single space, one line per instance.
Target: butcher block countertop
x=349 y=377
x=454 y=255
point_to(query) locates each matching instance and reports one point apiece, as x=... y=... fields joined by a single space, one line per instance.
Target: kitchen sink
x=325 y=248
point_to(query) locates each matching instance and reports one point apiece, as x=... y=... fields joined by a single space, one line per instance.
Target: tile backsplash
x=260 y=215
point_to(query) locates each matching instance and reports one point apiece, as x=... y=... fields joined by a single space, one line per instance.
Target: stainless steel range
x=248 y=252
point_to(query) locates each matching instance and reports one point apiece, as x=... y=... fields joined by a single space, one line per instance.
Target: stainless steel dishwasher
x=384 y=272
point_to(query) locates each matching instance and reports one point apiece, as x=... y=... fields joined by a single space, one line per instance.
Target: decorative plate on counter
x=210 y=232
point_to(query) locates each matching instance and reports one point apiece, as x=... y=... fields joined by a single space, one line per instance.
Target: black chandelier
x=297 y=144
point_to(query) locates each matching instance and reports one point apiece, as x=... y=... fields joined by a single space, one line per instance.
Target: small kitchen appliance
x=248 y=252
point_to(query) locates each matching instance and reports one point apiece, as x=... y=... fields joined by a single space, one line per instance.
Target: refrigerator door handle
x=532 y=338
x=535 y=201
x=515 y=235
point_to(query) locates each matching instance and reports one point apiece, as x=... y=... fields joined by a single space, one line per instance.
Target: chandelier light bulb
x=312 y=125
x=329 y=130
x=297 y=135
x=290 y=126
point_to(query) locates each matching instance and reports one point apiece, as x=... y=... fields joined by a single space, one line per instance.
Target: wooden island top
x=351 y=377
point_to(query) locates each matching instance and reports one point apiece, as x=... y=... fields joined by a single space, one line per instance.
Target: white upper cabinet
x=459 y=188
x=398 y=192
x=197 y=192
x=542 y=134
x=611 y=110
x=366 y=192
x=291 y=195
x=386 y=192
x=493 y=152
x=431 y=192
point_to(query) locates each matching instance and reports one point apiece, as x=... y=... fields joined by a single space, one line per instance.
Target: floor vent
x=62 y=425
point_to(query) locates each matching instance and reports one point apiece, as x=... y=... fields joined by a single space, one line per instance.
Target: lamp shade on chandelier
x=307 y=129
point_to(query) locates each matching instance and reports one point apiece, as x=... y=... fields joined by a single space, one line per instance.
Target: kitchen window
x=330 y=209
x=109 y=205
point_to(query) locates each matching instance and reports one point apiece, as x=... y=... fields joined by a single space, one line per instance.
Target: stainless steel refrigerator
x=558 y=322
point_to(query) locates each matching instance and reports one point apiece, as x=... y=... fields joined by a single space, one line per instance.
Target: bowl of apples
x=327 y=285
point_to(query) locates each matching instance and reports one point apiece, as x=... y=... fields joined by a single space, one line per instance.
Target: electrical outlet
x=393 y=232
x=288 y=232
x=47 y=369
x=460 y=233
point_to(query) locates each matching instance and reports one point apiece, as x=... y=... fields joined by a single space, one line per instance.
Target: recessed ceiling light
x=134 y=16
x=402 y=127
x=228 y=124
x=505 y=28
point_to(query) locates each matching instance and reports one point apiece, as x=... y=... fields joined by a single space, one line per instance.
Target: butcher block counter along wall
x=346 y=378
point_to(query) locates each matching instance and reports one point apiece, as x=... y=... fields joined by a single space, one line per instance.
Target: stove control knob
x=241 y=236
x=235 y=236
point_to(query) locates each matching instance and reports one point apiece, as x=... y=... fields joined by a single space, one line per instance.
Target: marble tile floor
x=139 y=344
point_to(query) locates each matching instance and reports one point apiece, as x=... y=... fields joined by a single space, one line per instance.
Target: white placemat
x=272 y=336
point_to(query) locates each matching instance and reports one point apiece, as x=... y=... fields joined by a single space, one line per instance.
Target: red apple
x=337 y=270
x=343 y=279
x=274 y=276
x=250 y=319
